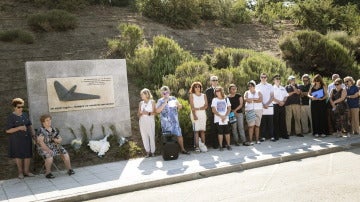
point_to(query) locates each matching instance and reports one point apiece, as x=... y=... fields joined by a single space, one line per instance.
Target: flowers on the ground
x=76 y=144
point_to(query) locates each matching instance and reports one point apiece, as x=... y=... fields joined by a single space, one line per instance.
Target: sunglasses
x=305 y=80
x=20 y=107
x=214 y=80
x=263 y=77
x=336 y=84
x=347 y=81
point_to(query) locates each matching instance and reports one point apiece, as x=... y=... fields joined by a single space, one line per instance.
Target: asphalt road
x=332 y=177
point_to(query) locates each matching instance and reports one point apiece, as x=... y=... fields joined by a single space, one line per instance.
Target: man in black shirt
x=292 y=106
x=305 y=107
x=210 y=94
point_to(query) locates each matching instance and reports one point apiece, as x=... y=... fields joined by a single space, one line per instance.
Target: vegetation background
x=173 y=43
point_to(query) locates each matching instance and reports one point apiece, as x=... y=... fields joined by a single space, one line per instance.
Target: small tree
x=124 y=46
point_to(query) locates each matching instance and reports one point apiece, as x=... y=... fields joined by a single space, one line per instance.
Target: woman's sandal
x=29 y=175
x=185 y=152
x=50 y=176
x=70 y=172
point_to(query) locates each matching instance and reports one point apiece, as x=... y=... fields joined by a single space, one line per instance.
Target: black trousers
x=211 y=131
x=267 y=126
x=279 y=121
x=319 y=117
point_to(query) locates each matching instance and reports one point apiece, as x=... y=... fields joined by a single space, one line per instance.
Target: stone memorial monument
x=90 y=94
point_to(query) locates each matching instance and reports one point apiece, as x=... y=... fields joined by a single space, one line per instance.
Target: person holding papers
x=318 y=95
x=221 y=108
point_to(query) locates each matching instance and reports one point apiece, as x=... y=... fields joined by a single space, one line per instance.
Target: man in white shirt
x=280 y=96
x=267 y=124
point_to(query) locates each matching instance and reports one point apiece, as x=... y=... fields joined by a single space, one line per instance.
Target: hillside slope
x=88 y=41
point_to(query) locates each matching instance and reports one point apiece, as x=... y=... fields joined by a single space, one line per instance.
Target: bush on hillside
x=226 y=57
x=270 y=12
x=322 y=15
x=53 y=20
x=167 y=56
x=119 y=3
x=253 y=66
x=185 y=75
x=151 y=63
x=17 y=35
x=139 y=65
x=179 y=14
x=309 y=51
x=124 y=46
x=351 y=42
x=186 y=13
x=209 y=9
x=240 y=13
x=69 y=5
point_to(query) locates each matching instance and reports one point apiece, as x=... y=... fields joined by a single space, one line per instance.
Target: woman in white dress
x=199 y=104
x=146 y=114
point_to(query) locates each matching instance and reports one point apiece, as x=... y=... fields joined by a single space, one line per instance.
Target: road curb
x=203 y=174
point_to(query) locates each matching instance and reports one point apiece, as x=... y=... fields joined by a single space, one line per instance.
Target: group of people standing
x=271 y=111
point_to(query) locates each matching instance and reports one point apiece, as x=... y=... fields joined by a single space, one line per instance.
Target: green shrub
x=167 y=56
x=240 y=13
x=141 y=62
x=179 y=14
x=270 y=12
x=323 y=15
x=156 y=61
x=17 y=35
x=185 y=75
x=124 y=46
x=253 y=66
x=209 y=9
x=227 y=57
x=69 y=5
x=119 y=3
x=184 y=118
x=186 y=13
x=309 y=51
x=53 y=20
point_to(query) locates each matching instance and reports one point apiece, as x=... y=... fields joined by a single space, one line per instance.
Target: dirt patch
x=88 y=41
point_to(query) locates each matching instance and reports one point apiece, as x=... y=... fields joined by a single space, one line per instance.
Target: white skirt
x=200 y=123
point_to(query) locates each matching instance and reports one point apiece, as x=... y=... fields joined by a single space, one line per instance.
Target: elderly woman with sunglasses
x=199 y=104
x=353 y=103
x=168 y=107
x=21 y=132
x=339 y=107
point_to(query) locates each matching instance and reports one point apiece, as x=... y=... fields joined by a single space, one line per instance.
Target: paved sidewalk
x=136 y=174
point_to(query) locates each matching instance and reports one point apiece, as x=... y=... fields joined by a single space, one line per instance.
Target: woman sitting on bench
x=49 y=146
